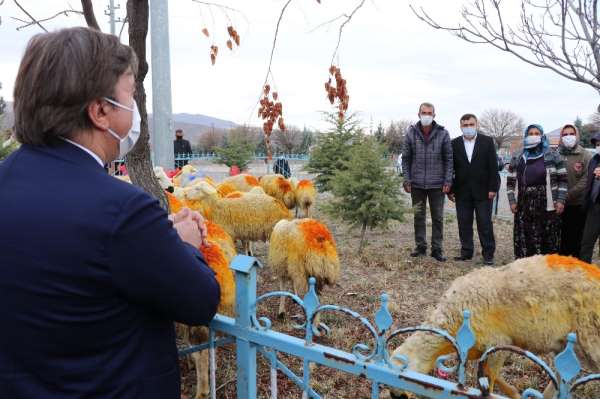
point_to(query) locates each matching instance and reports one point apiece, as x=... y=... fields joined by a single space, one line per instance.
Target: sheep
x=218 y=260
x=250 y=217
x=279 y=187
x=305 y=196
x=242 y=182
x=163 y=179
x=299 y=249
x=532 y=303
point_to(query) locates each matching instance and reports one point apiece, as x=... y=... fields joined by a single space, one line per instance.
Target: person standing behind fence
x=474 y=187
x=540 y=176
x=181 y=148
x=591 y=231
x=427 y=167
x=576 y=159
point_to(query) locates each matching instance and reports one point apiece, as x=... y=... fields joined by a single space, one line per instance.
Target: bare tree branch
x=558 y=35
x=88 y=13
x=34 y=21
x=58 y=14
x=348 y=18
x=501 y=125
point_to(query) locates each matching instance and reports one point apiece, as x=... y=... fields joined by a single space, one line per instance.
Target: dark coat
x=479 y=177
x=181 y=146
x=427 y=163
x=92 y=276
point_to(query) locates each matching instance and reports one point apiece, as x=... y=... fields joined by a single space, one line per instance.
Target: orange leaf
x=213 y=58
x=229 y=45
x=205 y=31
x=267 y=90
x=275 y=95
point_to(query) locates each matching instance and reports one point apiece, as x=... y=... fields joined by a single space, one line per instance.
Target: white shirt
x=93 y=154
x=469 y=147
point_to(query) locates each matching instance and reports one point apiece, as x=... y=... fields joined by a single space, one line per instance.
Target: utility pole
x=162 y=144
x=110 y=12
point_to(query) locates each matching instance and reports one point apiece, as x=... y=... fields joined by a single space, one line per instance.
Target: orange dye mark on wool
x=569 y=263
x=305 y=184
x=215 y=231
x=215 y=258
x=251 y=180
x=315 y=234
x=225 y=189
x=284 y=185
x=174 y=203
x=235 y=194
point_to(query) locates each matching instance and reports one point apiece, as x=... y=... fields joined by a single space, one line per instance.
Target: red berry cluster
x=270 y=111
x=339 y=91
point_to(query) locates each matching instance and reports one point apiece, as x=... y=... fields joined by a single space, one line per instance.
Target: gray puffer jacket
x=427 y=164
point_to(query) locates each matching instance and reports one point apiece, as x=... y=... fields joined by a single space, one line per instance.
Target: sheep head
x=200 y=191
x=163 y=179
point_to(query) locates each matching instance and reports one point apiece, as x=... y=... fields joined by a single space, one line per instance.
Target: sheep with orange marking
x=532 y=303
x=299 y=249
x=243 y=182
x=279 y=187
x=306 y=195
x=248 y=217
x=218 y=256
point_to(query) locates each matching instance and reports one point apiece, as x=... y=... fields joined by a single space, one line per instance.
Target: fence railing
x=253 y=335
x=257 y=156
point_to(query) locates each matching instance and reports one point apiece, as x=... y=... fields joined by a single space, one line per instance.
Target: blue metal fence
x=253 y=335
x=257 y=156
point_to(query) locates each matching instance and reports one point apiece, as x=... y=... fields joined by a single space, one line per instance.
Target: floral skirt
x=536 y=230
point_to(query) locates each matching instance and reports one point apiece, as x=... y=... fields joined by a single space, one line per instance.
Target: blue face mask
x=469 y=132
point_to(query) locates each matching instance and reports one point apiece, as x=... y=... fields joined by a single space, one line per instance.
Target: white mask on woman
x=569 y=141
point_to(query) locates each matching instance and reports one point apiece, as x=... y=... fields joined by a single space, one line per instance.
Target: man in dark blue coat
x=92 y=272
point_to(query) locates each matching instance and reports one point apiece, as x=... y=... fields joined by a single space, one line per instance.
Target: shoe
x=462 y=258
x=438 y=256
x=417 y=252
x=488 y=262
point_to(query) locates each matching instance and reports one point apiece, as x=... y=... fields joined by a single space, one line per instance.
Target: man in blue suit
x=92 y=272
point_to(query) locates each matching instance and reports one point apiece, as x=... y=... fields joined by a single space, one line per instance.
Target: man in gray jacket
x=428 y=168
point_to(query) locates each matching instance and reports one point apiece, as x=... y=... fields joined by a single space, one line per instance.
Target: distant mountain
x=193 y=125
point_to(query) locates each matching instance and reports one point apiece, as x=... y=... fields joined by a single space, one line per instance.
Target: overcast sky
x=391 y=61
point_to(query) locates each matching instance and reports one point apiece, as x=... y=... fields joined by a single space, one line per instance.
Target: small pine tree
x=332 y=149
x=235 y=152
x=366 y=194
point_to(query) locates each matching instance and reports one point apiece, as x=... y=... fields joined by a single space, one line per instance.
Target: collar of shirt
x=469 y=146
x=92 y=154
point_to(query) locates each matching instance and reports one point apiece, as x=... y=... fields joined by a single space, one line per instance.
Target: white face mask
x=569 y=141
x=532 y=141
x=426 y=120
x=126 y=143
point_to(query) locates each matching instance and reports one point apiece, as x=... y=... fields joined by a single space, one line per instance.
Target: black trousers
x=591 y=232
x=436 y=207
x=573 y=221
x=465 y=207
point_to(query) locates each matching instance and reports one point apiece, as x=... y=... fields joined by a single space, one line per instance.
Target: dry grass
x=414 y=286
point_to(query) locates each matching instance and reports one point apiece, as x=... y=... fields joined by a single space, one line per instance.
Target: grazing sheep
x=299 y=249
x=279 y=187
x=532 y=303
x=305 y=196
x=249 y=217
x=218 y=260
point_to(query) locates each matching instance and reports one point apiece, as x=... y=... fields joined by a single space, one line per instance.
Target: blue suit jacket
x=92 y=276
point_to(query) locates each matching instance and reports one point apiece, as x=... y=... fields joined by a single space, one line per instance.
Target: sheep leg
x=493 y=370
x=549 y=391
x=202 y=383
x=247 y=247
x=281 y=313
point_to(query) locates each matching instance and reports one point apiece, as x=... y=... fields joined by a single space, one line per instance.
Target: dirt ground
x=413 y=286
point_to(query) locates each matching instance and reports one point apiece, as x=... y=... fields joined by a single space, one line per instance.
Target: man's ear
x=96 y=112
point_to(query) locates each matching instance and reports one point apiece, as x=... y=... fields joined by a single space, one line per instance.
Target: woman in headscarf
x=540 y=177
x=576 y=161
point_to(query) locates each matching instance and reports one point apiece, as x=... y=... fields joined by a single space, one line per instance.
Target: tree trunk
x=363 y=233
x=88 y=13
x=139 y=164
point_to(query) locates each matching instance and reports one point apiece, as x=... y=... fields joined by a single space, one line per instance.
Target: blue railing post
x=245 y=280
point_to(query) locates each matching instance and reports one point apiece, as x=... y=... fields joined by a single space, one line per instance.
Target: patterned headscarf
x=540 y=149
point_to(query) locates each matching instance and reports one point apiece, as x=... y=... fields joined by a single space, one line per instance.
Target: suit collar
x=68 y=152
